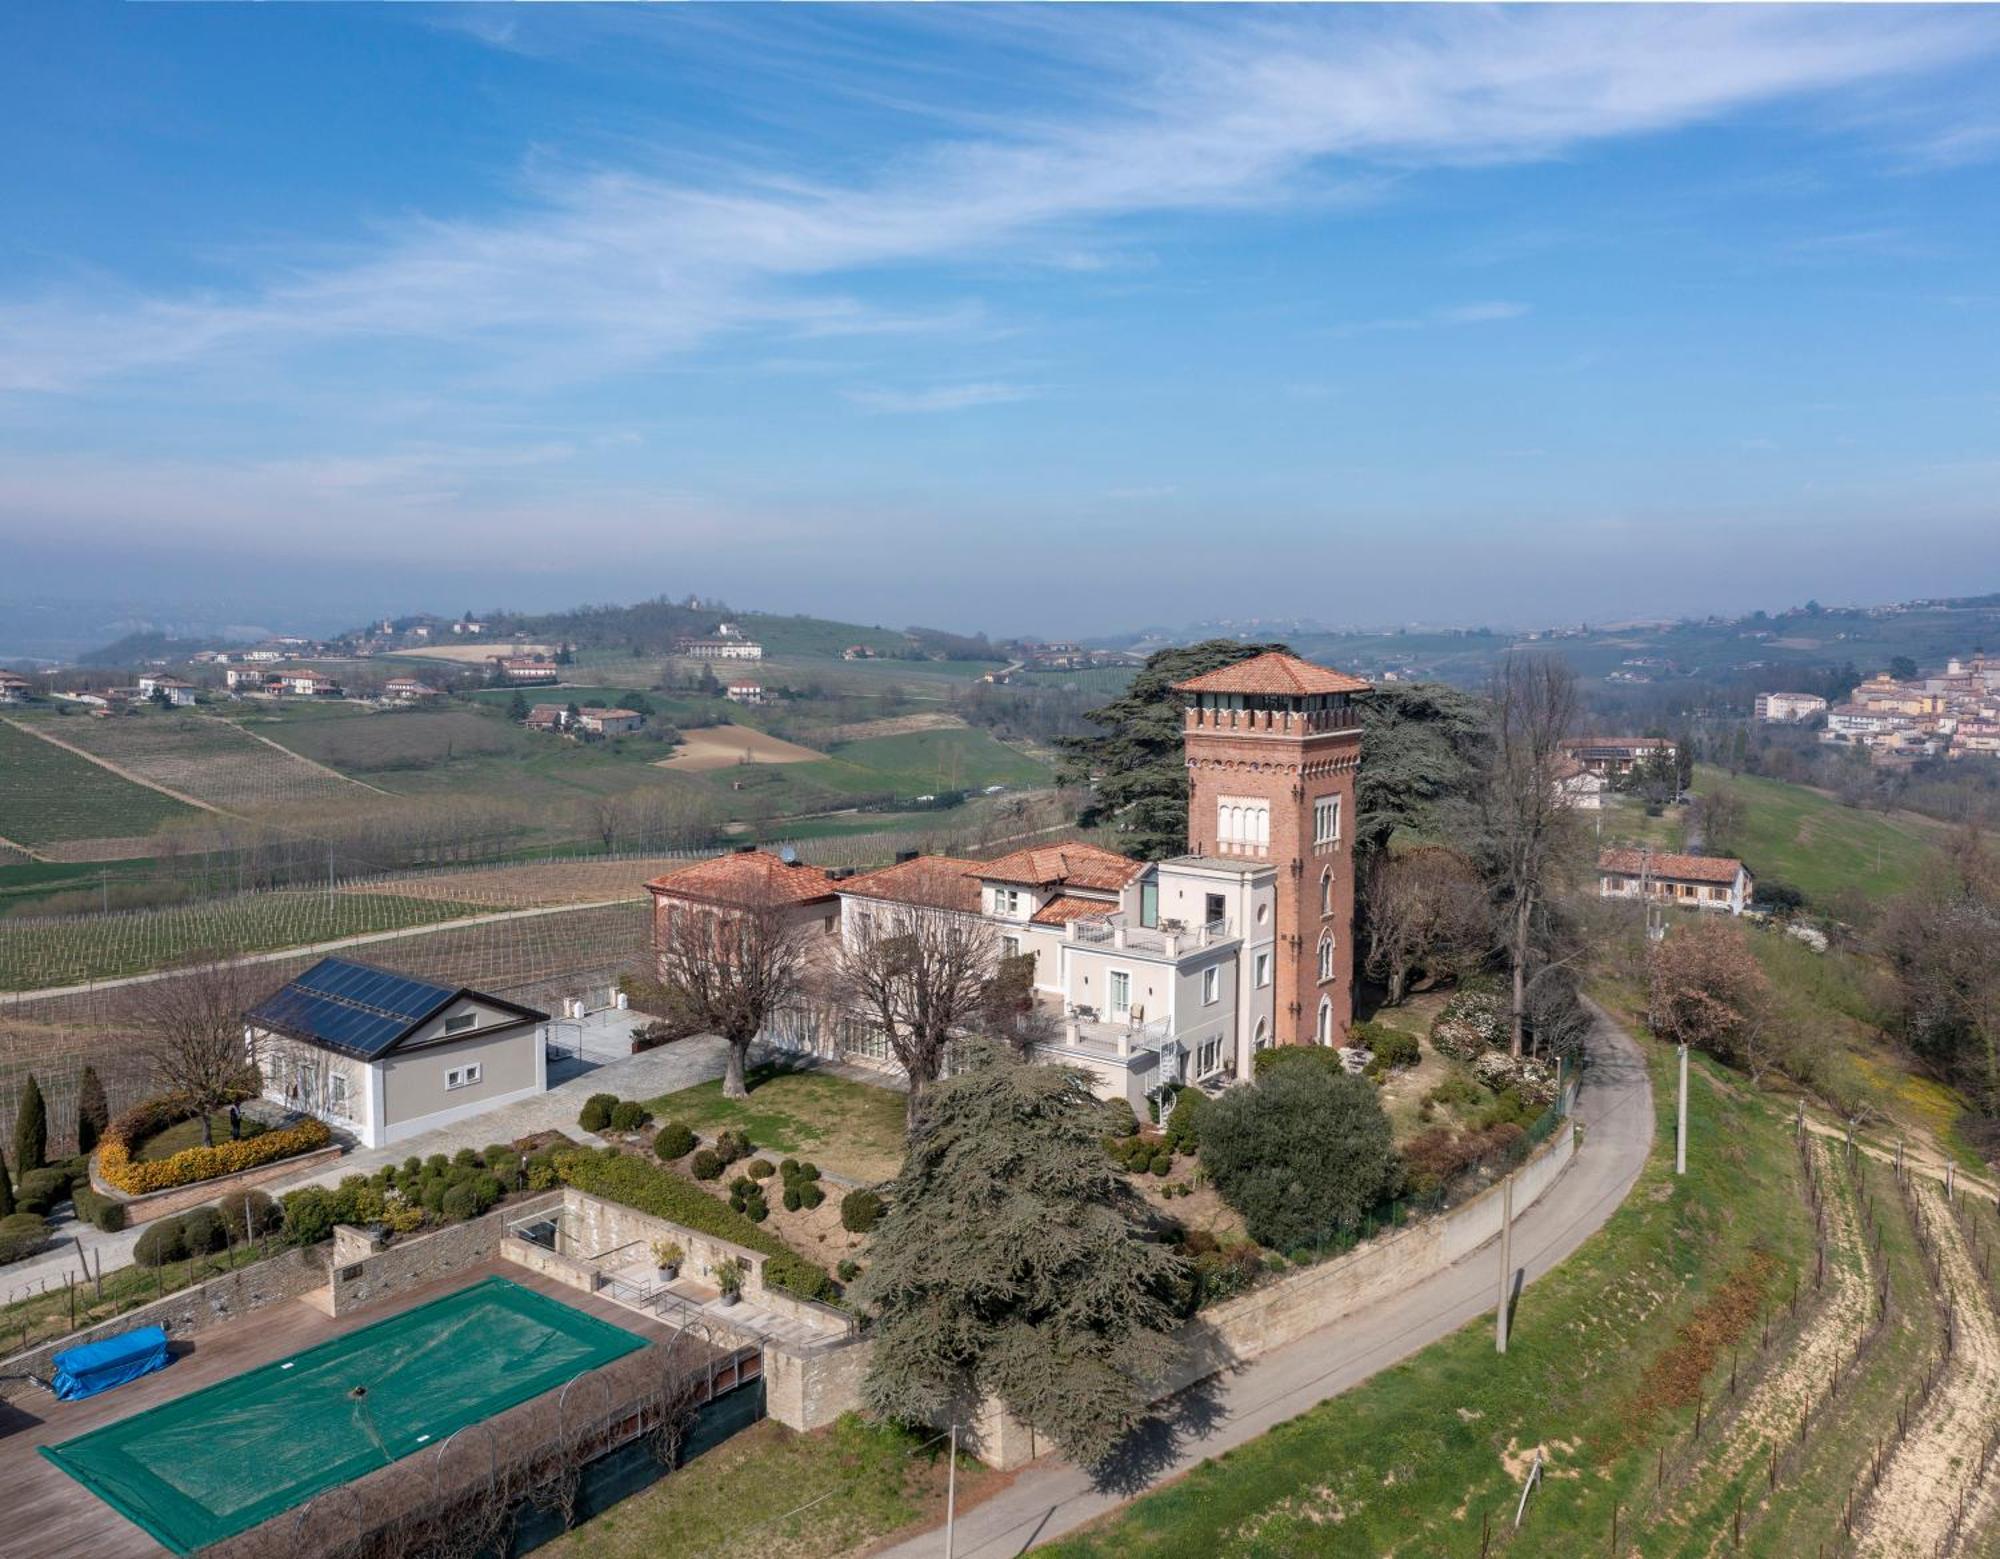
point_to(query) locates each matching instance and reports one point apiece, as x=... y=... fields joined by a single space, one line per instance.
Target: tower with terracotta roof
x=1273 y=747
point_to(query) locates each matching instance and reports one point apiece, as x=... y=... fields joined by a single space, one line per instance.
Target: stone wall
x=1288 y=1309
x=411 y=1263
x=284 y=1277
x=178 y=1199
x=808 y=1388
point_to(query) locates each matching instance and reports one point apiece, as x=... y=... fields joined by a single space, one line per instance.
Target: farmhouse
x=528 y=668
x=739 y=692
x=385 y=1056
x=303 y=682
x=176 y=692
x=547 y=717
x=719 y=649
x=407 y=690
x=609 y=722
x=1142 y=973
x=1612 y=756
x=13 y=688
x=1579 y=787
x=1716 y=882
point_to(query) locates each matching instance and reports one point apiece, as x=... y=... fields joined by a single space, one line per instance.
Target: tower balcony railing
x=1277 y=722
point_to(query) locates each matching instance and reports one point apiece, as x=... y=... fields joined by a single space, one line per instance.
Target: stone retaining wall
x=284 y=1277
x=424 y=1258
x=149 y=1205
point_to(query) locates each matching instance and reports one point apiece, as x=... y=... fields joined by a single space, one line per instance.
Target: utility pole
x=1506 y=1262
x=1681 y=1133
x=951 y=1494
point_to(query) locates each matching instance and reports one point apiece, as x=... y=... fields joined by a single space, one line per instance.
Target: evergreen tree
x=1016 y=1262
x=517 y=707
x=6 y=1190
x=31 y=1129
x=93 y=1113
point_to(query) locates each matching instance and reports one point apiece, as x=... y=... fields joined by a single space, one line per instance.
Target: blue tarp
x=98 y=1366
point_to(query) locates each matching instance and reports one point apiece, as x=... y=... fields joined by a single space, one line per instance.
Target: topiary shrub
x=100 y=1212
x=761 y=1169
x=460 y=1203
x=40 y=1190
x=596 y=1114
x=465 y=1158
x=413 y=1165
x=22 y=1234
x=860 y=1211
x=437 y=1164
x=249 y=1214
x=629 y=1115
x=309 y=1214
x=1163 y=1163
x=1184 y=1123
x=793 y=1201
x=160 y=1243
x=810 y=1195
x=673 y=1140
x=705 y=1165
x=204 y=1231
x=732 y=1145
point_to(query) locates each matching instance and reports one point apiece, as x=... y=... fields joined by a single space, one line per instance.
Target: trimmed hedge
x=632 y=1182
x=22 y=1234
x=160 y=1243
x=99 y=1211
x=674 y=1140
x=629 y=1115
x=192 y=1165
x=596 y=1113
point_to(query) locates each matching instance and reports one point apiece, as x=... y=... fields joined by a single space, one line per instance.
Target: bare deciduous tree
x=924 y=970
x=1527 y=831
x=1427 y=915
x=728 y=969
x=190 y=1030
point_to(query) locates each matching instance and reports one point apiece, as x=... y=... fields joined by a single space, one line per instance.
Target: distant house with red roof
x=1714 y=882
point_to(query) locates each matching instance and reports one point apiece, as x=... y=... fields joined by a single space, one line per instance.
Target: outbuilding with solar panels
x=383 y=1056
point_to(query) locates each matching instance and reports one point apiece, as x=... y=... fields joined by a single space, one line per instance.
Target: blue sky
x=1027 y=319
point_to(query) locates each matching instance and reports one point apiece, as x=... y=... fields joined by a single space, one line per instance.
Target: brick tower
x=1273 y=745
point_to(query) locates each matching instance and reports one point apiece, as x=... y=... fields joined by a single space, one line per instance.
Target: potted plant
x=729 y=1278
x=668 y=1256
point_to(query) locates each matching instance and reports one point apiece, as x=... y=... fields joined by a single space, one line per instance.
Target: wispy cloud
x=1458 y=314
x=942 y=397
x=600 y=270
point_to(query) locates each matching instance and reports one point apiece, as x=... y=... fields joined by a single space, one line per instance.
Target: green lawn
x=48 y=794
x=853 y=1129
x=1409 y=1462
x=862 y=1483
x=187 y=1134
x=1820 y=847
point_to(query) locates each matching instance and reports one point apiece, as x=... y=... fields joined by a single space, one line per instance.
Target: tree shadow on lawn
x=1151 y=1450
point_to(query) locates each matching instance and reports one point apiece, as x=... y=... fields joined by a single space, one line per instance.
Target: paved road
x=1051 y=1497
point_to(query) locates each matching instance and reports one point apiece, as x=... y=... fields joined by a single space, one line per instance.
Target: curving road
x=1051 y=1497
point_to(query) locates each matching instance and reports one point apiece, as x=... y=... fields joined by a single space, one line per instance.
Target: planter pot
x=728 y=1299
x=668 y=1274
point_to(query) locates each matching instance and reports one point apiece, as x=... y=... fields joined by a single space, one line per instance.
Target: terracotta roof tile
x=1072 y=864
x=1273 y=673
x=934 y=881
x=749 y=877
x=1683 y=868
x=1061 y=911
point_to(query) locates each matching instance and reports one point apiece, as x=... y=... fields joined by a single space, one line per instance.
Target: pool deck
x=51 y=1516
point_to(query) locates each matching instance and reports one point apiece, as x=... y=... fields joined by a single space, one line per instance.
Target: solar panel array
x=350 y=1007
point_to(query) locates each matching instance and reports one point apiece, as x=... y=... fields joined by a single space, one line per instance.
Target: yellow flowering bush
x=117 y=1166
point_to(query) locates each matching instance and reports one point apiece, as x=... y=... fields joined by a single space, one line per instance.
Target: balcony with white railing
x=1170 y=939
x=1084 y=1030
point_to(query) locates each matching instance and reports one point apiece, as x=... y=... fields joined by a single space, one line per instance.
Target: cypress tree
x=6 y=1189
x=93 y=1113
x=31 y=1129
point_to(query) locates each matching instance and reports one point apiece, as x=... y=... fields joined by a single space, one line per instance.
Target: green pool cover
x=210 y=1464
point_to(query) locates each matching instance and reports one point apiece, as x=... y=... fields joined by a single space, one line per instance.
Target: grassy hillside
x=49 y=795
x=1821 y=847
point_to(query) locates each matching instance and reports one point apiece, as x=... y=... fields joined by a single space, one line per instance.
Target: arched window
x=1326 y=891
x=1261 y=1037
x=1326 y=957
x=1325 y=1021
x=1263 y=825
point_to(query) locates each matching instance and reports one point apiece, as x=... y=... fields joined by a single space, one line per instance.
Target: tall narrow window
x=1326 y=891
x=1326 y=958
x=1121 y=993
x=1325 y=1034
x=1211 y=986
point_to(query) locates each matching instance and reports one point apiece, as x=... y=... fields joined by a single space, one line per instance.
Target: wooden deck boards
x=49 y=1515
